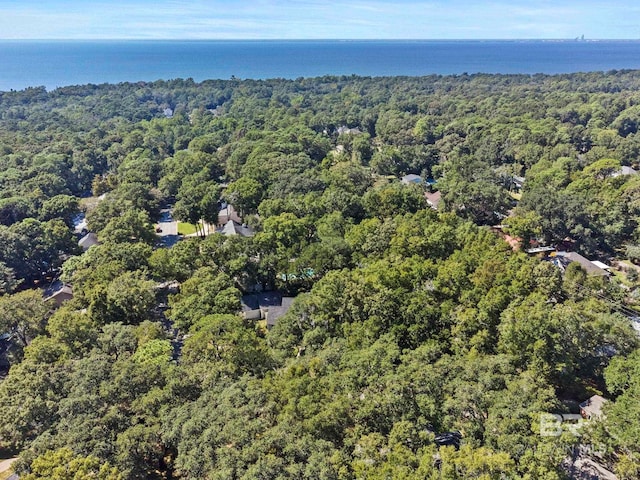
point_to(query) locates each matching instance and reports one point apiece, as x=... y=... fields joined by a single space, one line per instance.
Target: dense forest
x=420 y=344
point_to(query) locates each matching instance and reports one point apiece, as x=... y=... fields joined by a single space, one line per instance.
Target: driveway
x=6 y=464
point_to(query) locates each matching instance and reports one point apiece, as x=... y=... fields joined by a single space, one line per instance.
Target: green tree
x=13 y=210
x=394 y=199
x=63 y=464
x=245 y=194
x=130 y=298
x=226 y=344
x=8 y=280
x=131 y=227
x=75 y=330
x=64 y=207
x=525 y=226
x=24 y=315
x=207 y=292
x=623 y=415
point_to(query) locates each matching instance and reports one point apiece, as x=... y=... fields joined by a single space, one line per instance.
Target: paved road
x=169 y=228
x=6 y=464
x=167 y=224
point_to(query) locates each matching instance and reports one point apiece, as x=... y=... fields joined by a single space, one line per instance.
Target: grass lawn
x=186 y=228
x=622 y=276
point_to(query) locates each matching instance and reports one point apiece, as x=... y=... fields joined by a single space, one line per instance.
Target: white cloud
x=315 y=19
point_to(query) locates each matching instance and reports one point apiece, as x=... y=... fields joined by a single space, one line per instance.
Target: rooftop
x=433 y=199
x=254 y=301
x=89 y=240
x=590 y=267
x=592 y=407
x=343 y=130
x=235 y=228
x=412 y=178
x=625 y=171
x=228 y=212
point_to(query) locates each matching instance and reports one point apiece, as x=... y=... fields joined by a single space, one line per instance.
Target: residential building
x=563 y=259
x=59 y=293
x=433 y=199
x=412 y=179
x=88 y=241
x=592 y=407
x=269 y=306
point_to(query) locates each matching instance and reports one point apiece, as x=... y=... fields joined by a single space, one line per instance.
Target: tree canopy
x=419 y=344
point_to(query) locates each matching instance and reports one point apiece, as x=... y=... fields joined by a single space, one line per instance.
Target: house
x=601 y=265
x=228 y=212
x=235 y=228
x=592 y=407
x=88 y=241
x=586 y=464
x=277 y=311
x=448 y=439
x=624 y=171
x=344 y=130
x=433 y=199
x=59 y=293
x=269 y=306
x=256 y=305
x=540 y=249
x=517 y=182
x=563 y=259
x=412 y=179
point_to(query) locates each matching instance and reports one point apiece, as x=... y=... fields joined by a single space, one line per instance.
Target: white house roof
x=625 y=171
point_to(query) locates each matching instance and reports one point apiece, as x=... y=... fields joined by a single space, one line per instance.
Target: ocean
x=60 y=63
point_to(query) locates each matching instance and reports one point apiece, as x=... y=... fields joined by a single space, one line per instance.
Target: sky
x=317 y=19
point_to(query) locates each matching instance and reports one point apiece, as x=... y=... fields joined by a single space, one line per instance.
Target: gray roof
x=591 y=268
x=57 y=288
x=592 y=407
x=272 y=304
x=255 y=301
x=412 y=178
x=624 y=170
x=343 y=130
x=89 y=240
x=65 y=289
x=276 y=312
x=518 y=181
x=234 y=228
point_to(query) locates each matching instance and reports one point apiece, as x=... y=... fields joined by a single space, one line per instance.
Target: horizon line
x=89 y=39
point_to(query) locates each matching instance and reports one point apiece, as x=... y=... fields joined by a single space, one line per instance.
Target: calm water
x=61 y=63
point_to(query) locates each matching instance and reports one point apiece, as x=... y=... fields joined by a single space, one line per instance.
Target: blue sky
x=293 y=19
